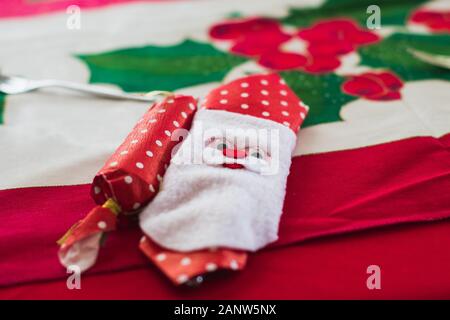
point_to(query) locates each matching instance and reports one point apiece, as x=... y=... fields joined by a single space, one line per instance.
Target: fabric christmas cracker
x=206 y=202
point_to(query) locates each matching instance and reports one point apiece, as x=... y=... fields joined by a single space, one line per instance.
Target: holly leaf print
x=392 y=12
x=2 y=106
x=394 y=53
x=147 y=68
x=321 y=92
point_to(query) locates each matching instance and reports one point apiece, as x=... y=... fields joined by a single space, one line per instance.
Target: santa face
x=225 y=185
x=223 y=150
x=251 y=146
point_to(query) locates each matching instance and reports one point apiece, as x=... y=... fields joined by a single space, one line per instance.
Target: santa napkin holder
x=207 y=182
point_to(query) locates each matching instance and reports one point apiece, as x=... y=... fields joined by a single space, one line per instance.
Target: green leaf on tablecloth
x=169 y=68
x=322 y=93
x=2 y=106
x=392 y=12
x=392 y=53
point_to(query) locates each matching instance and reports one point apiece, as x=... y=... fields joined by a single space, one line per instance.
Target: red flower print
x=237 y=29
x=250 y=37
x=327 y=40
x=342 y=35
x=262 y=38
x=436 y=21
x=278 y=60
x=321 y=64
x=374 y=86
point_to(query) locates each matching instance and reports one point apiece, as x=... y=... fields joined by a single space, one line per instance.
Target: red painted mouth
x=233 y=165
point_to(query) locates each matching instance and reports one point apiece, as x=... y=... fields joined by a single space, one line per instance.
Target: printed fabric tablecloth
x=370 y=175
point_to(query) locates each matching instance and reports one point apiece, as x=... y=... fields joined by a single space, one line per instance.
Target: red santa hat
x=262 y=96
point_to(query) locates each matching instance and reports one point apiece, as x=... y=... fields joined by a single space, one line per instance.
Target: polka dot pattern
x=102 y=225
x=134 y=172
x=262 y=96
x=180 y=267
x=99 y=219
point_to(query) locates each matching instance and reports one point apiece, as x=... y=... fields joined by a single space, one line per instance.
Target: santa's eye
x=217 y=143
x=257 y=154
x=221 y=146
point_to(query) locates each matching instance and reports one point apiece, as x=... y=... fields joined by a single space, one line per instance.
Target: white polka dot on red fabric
x=284 y=103
x=159 y=177
x=224 y=101
x=265 y=114
x=302 y=115
x=224 y=92
x=114 y=163
x=244 y=95
x=264 y=82
x=244 y=85
x=136 y=205
x=285 y=113
x=144 y=131
x=152 y=120
x=192 y=106
x=167 y=133
x=182 y=278
x=162 y=110
x=210 y=267
x=176 y=123
x=283 y=92
x=97 y=189
x=234 y=265
x=303 y=105
x=282 y=82
x=140 y=165
x=151 y=188
x=101 y=225
x=185 y=261
x=161 y=257
x=264 y=92
x=170 y=101
x=265 y=102
x=158 y=143
x=287 y=124
x=124 y=152
x=134 y=141
x=183 y=114
x=128 y=179
x=244 y=106
x=149 y=153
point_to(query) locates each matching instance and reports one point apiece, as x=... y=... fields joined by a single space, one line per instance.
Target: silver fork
x=16 y=85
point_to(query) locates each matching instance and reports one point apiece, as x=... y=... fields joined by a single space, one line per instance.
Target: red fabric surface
x=414 y=262
x=336 y=192
x=327 y=194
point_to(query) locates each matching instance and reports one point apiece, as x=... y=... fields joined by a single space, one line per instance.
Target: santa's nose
x=234 y=153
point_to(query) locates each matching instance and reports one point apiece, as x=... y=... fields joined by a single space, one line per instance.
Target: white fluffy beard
x=203 y=204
